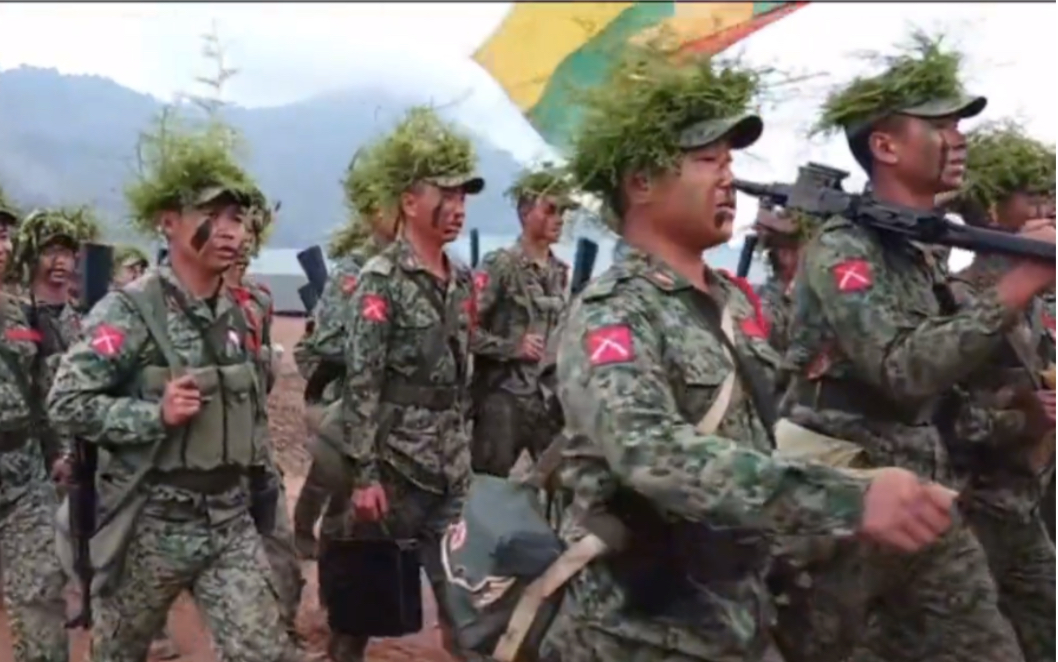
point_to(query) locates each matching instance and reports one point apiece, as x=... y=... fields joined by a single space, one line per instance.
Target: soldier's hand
x=902 y=512
x=1047 y=400
x=532 y=347
x=181 y=401
x=370 y=503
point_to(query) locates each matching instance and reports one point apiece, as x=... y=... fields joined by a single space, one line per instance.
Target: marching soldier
x=1007 y=462
x=521 y=294
x=875 y=345
x=781 y=238
x=130 y=263
x=404 y=400
x=679 y=460
x=364 y=236
x=165 y=382
x=33 y=580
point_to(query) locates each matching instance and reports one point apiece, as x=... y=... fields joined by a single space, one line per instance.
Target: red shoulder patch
x=23 y=334
x=757 y=326
x=1048 y=321
x=853 y=276
x=107 y=340
x=752 y=328
x=481 y=281
x=610 y=345
x=349 y=285
x=374 y=309
x=470 y=307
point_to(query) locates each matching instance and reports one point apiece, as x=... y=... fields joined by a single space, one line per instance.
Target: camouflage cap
x=422 y=148
x=8 y=213
x=654 y=107
x=547 y=180
x=781 y=227
x=43 y=228
x=1003 y=160
x=923 y=79
x=130 y=256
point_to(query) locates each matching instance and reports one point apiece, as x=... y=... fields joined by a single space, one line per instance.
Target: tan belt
x=800 y=444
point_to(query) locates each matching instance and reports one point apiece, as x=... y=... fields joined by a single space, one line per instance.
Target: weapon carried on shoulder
x=475 y=249
x=818 y=192
x=315 y=269
x=752 y=240
x=97 y=266
x=583 y=264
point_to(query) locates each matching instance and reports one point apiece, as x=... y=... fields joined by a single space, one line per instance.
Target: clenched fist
x=904 y=513
x=181 y=401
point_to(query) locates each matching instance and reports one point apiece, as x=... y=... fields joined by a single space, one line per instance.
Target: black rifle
x=475 y=249
x=307 y=294
x=818 y=192
x=583 y=264
x=745 y=258
x=315 y=269
x=96 y=269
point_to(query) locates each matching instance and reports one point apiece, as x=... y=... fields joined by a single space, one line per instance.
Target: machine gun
x=818 y=192
x=475 y=249
x=96 y=268
x=583 y=265
x=315 y=269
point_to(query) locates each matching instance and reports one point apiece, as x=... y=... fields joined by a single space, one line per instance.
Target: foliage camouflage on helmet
x=921 y=70
x=260 y=222
x=1001 y=160
x=362 y=184
x=178 y=162
x=126 y=255
x=41 y=228
x=546 y=180
x=421 y=147
x=634 y=121
x=792 y=227
x=354 y=235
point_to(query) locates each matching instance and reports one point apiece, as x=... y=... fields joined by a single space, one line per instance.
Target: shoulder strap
x=718 y=410
x=149 y=304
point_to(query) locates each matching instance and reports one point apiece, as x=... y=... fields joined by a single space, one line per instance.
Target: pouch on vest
x=371 y=587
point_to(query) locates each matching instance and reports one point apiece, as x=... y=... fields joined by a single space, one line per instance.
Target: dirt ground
x=289 y=434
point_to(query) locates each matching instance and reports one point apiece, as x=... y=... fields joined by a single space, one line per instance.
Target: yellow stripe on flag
x=536 y=37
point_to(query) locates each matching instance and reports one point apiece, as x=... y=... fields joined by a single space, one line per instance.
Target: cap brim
x=8 y=218
x=740 y=132
x=962 y=108
x=471 y=185
x=216 y=194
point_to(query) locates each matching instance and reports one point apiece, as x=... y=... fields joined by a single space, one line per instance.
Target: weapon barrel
x=583 y=264
x=97 y=269
x=308 y=297
x=475 y=249
x=745 y=259
x=981 y=240
x=314 y=267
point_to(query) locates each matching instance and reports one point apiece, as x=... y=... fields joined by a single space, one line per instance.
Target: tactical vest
x=222 y=434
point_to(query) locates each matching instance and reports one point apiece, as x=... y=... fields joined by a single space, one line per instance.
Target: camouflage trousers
x=314 y=497
x=223 y=567
x=413 y=513
x=1021 y=556
x=33 y=579
x=506 y=425
x=283 y=558
x=940 y=605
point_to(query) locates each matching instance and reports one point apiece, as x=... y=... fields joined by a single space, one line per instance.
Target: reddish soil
x=289 y=434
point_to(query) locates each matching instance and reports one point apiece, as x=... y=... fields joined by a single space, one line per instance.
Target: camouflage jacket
x=60 y=328
x=21 y=460
x=990 y=449
x=778 y=307
x=404 y=400
x=516 y=296
x=638 y=371
x=94 y=396
x=873 y=348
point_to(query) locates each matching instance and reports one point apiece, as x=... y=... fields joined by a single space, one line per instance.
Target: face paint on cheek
x=202 y=235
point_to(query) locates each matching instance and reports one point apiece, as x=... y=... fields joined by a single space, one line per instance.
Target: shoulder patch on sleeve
x=609 y=345
x=756 y=326
x=374 y=308
x=107 y=340
x=853 y=276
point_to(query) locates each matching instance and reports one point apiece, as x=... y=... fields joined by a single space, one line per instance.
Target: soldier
x=873 y=349
x=33 y=580
x=521 y=294
x=366 y=233
x=258 y=306
x=129 y=264
x=405 y=393
x=780 y=234
x=645 y=352
x=1006 y=464
x=165 y=383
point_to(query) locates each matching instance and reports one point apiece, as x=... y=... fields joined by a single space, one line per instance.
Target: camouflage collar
x=192 y=304
x=637 y=263
x=409 y=260
x=527 y=260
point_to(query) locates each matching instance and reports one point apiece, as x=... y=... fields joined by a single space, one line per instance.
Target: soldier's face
x=543 y=221
x=696 y=204
x=210 y=236
x=57 y=264
x=929 y=154
x=1021 y=208
x=436 y=212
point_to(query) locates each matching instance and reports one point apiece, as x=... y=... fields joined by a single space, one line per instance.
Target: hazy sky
x=288 y=52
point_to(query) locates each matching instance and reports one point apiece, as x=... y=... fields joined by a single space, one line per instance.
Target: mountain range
x=71 y=139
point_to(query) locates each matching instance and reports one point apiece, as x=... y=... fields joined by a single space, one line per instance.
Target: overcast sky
x=288 y=52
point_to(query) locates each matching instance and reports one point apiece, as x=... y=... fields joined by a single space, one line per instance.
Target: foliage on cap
x=545 y=180
x=260 y=221
x=127 y=254
x=422 y=146
x=40 y=228
x=354 y=236
x=177 y=162
x=633 y=121
x=363 y=185
x=922 y=69
x=1002 y=160
x=7 y=206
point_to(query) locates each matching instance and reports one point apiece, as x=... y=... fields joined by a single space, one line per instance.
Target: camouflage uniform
x=778 y=307
x=256 y=300
x=516 y=296
x=33 y=580
x=637 y=372
x=405 y=398
x=183 y=500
